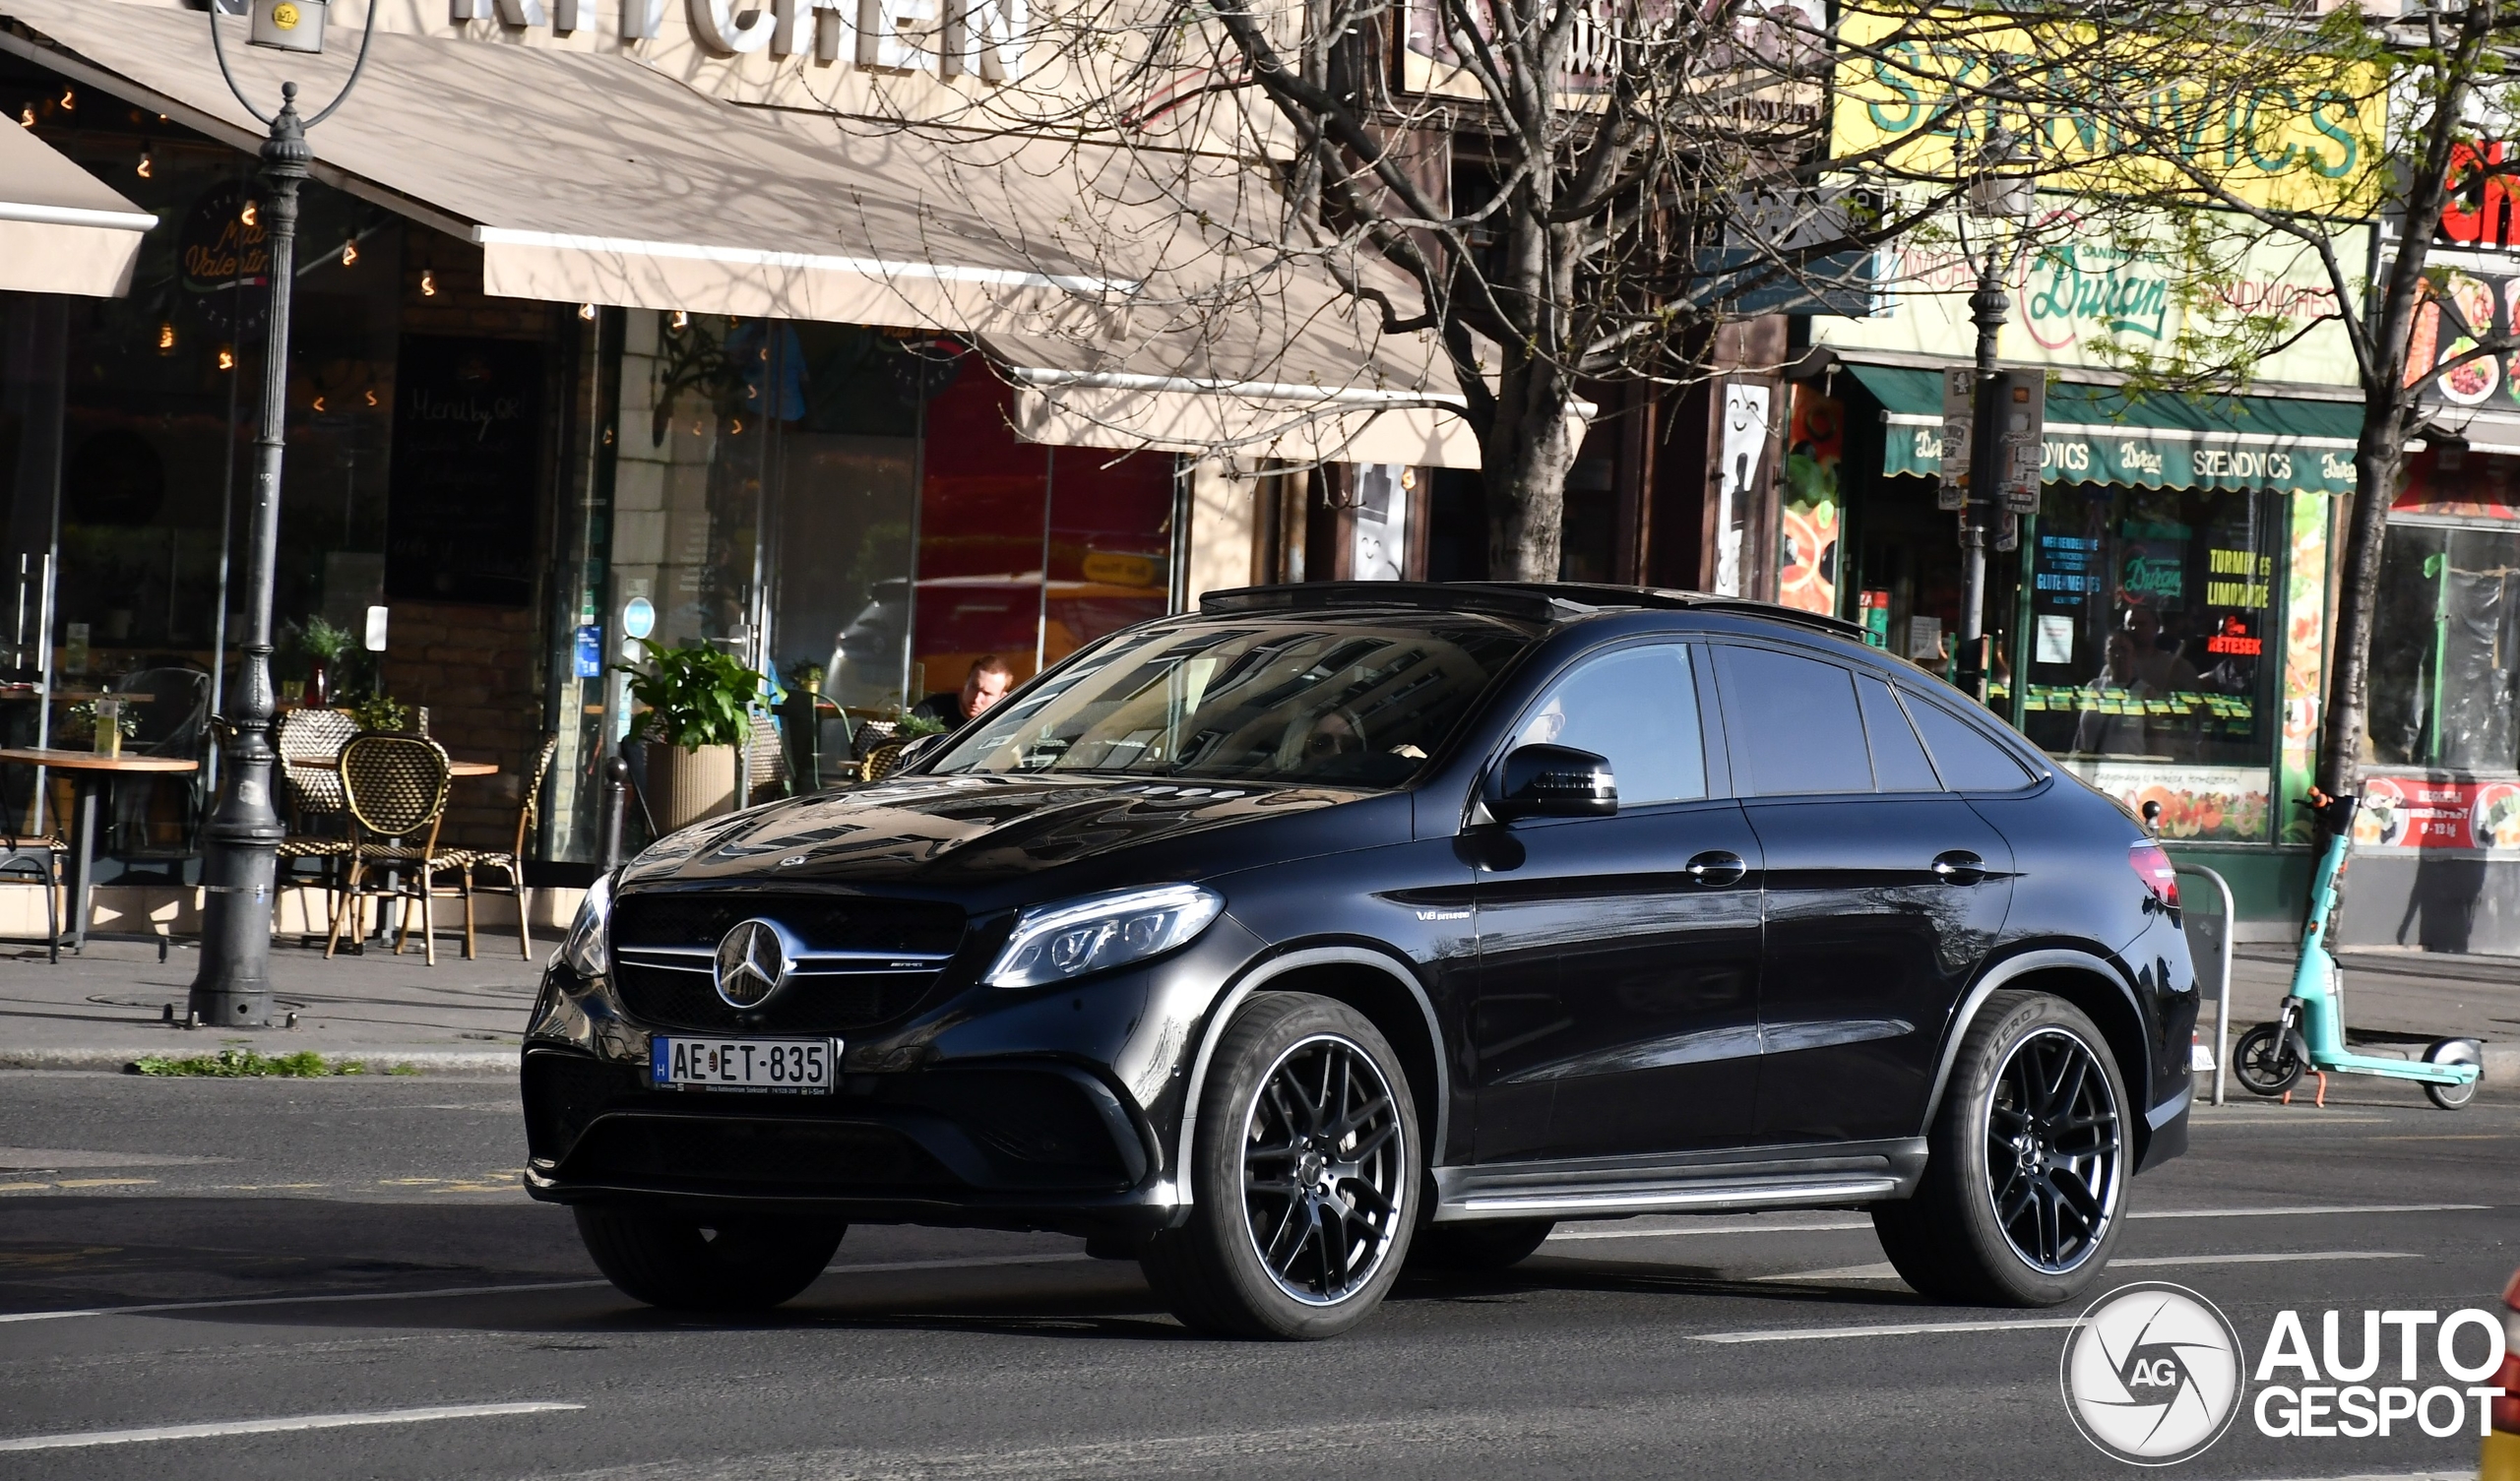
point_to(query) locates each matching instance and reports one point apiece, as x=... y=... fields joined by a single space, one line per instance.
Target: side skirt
x=1864 y=1172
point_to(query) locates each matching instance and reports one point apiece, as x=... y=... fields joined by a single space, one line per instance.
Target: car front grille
x=663 y=972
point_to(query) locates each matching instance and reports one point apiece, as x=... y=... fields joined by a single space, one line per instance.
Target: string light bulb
x=166 y=337
x=69 y=102
x=586 y=311
x=736 y=427
x=681 y=321
x=319 y=403
x=349 y=254
x=429 y=283
x=228 y=359
x=250 y=216
x=27 y=116
x=371 y=398
x=146 y=165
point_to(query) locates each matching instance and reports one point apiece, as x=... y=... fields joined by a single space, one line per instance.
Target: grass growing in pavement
x=244 y=1063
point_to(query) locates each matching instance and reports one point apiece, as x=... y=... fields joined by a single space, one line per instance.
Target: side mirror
x=1553 y=781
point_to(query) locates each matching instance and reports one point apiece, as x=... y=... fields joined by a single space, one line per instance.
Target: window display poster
x=2412 y=813
x=1815 y=446
x=2055 y=637
x=2305 y=658
x=2218 y=803
x=1924 y=639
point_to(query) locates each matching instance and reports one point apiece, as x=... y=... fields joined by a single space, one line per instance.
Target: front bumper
x=1014 y=1145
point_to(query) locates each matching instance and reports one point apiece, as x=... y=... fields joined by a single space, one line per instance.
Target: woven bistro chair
x=395 y=788
x=765 y=761
x=21 y=856
x=512 y=862
x=310 y=742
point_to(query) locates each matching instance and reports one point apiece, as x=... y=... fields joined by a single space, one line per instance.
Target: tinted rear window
x=1968 y=760
x=1898 y=763
x=1794 y=723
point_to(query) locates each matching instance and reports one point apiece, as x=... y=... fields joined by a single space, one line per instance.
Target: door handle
x=1717 y=868
x=1959 y=867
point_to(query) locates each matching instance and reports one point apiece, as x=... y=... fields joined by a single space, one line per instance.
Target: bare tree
x=1557 y=198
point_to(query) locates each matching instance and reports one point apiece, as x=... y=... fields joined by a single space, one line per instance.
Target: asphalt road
x=279 y=1239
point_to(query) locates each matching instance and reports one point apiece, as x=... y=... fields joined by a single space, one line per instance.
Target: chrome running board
x=1615 y=1188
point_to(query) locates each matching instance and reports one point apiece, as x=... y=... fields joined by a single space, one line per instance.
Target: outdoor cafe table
x=88 y=771
x=452 y=768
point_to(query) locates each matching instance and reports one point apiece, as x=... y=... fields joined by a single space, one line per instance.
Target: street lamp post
x=233 y=990
x=1999 y=196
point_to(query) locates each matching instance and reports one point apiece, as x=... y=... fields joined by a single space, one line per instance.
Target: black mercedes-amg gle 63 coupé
x=1336 y=928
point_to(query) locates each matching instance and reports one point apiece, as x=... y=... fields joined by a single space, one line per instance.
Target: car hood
x=948 y=830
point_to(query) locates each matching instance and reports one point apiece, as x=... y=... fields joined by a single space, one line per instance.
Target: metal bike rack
x=2223 y=978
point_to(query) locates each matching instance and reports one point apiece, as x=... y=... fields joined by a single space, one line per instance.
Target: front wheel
x=2026 y=1163
x=1303 y=1164
x=2269 y=1059
x=2454 y=1052
x=705 y=1265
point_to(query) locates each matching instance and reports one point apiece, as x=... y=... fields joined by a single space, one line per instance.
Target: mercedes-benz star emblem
x=752 y=963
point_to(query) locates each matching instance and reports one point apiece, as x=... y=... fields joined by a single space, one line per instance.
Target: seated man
x=987 y=683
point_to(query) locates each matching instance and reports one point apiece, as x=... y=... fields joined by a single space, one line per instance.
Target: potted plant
x=324 y=644
x=698 y=701
x=382 y=712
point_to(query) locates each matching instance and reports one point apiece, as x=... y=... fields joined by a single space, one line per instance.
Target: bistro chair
x=765 y=761
x=38 y=861
x=512 y=862
x=318 y=818
x=884 y=760
x=395 y=788
x=172 y=717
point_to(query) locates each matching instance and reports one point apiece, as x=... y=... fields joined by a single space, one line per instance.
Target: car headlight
x=588 y=950
x=1052 y=942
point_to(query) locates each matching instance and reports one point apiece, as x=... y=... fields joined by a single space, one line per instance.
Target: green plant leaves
x=695 y=695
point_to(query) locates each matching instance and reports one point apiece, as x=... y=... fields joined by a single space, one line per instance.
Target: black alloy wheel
x=2053 y=1151
x=2026 y=1165
x=2269 y=1059
x=1303 y=1165
x=1321 y=1170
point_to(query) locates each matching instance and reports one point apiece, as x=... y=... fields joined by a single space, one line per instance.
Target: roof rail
x=1532 y=601
x=1528 y=606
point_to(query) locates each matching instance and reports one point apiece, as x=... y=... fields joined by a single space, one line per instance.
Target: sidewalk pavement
x=106 y=1008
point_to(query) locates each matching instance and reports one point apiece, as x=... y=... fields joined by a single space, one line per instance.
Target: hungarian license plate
x=794 y=1067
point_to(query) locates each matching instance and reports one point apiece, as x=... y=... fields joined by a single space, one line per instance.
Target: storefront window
x=2150 y=667
x=2445 y=694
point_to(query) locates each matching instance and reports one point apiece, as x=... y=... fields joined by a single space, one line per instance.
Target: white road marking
x=1883 y=1270
x=277 y=1425
x=500 y=1290
x=2262 y=1257
x=1891 y=1329
x=1842 y=1224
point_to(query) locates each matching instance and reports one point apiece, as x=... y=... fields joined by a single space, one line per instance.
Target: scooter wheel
x=2454 y=1052
x=2269 y=1059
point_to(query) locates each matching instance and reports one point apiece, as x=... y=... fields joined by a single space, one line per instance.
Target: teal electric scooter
x=2309 y=1036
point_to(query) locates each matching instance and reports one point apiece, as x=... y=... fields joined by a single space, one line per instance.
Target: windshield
x=1272 y=699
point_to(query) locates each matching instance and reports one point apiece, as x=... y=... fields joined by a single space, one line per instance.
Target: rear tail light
x=2158 y=874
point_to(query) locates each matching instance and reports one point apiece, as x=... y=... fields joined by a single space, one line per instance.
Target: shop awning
x=2103 y=434
x=62 y=231
x=594 y=178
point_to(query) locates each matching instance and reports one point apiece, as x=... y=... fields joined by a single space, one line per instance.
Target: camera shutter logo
x=752 y=963
x=2152 y=1374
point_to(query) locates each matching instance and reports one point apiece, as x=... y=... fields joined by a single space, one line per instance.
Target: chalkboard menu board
x=467 y=417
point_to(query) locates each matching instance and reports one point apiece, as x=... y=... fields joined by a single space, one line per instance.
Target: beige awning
x=592 y=178
x=62 y=231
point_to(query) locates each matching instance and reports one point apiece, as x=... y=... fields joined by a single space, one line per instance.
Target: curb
x=439 y=1061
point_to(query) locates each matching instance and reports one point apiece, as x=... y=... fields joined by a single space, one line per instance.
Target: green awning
x=2103 y=434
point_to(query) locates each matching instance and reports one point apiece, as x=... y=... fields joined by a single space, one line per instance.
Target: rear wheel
x=2269 y=1059
x=2454 y=1052
x=1470 y=1249
x=2027 y=1164
x=705 y=1265
x=1303 y=1164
